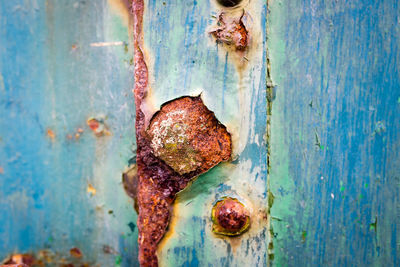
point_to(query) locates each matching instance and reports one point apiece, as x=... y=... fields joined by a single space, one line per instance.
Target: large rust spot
x=169 y=154
x=188 y=137
x=184 y=139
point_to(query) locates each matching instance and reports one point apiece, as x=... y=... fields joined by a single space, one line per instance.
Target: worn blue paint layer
x=335 y=132
x=51 y=81
x=62 y=62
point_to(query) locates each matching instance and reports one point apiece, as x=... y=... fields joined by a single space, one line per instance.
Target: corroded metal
x=188 y=137
x=230 y=217
x=231 y=31
x=184 y=139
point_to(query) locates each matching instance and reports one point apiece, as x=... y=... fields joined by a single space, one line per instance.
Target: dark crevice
x=229 y=3
x=270 y=98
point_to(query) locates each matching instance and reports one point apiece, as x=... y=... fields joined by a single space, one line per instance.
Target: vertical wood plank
x=335 y=132
x=53 y=78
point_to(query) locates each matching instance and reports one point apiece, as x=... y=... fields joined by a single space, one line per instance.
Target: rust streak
x=184 y=139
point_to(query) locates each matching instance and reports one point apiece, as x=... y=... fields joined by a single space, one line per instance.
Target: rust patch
x=162 y=167
x=130 y=182
x=91 y=190
x=51 y=134
x=231 y=31
x=230 y=217
x=46 y=258
x=168 y=158
x=19 y=260
x=98 y=127
x=188 y=137
x=14 y=265
x=75 y=252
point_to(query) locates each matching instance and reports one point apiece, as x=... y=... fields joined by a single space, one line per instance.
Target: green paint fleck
x=271 y=199
x=303 y=236
x=379 y=128
x=366 y=185
x=372 y=226
x=118 y=260
x=341 y=186
x=398 y=100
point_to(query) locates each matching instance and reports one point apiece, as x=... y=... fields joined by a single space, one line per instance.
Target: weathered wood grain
x=51 y=77
x=335 y=132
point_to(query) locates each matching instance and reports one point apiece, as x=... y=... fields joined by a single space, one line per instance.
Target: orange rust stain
x=51 y=134
x=20 y=260
x=76 y=253
x=98 y=127
x=231 y=32
x=91 y=190
x=93 y=124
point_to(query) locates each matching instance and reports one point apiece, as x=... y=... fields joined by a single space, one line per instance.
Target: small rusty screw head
x=230 y=217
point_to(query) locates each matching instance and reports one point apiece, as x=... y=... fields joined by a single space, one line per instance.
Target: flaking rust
x=235 y=31
x=183 y=140
x=188 y=137
x=231 y=31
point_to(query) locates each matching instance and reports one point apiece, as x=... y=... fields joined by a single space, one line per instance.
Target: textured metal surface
x=335 y=132
x=55 y=73
x=66 y=64
x=185 y=60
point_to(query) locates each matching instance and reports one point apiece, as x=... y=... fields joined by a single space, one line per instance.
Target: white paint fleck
x=100 y=44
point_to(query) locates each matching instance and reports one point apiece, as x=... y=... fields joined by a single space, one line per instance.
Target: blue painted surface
x=334 y=130
x=336 y=66
x=52 y=78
